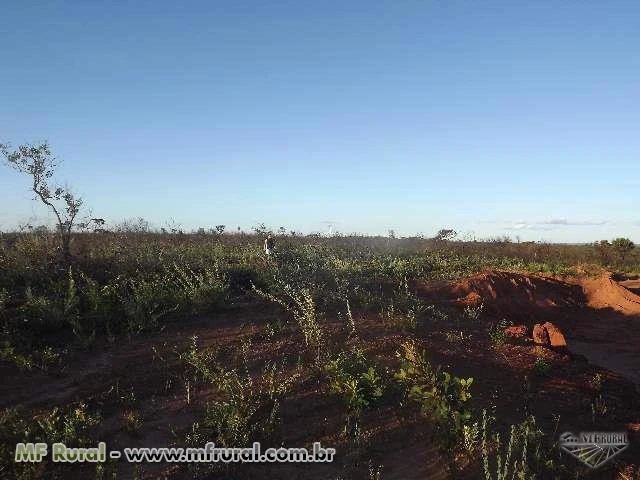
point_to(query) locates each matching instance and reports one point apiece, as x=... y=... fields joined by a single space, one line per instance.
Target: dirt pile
x=605 y=292
x=515 y=296
x=548 y=334
x=600 y=317
x=511 y=293
x=517 y=331
x=631 y=285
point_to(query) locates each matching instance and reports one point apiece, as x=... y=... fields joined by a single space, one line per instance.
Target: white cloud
x=551 y=224
x=564 y=221
x=528 y=226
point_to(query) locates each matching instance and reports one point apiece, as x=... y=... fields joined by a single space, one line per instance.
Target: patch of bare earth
x=600 y=318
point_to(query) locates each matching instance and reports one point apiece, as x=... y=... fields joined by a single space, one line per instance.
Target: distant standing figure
x=269 y=245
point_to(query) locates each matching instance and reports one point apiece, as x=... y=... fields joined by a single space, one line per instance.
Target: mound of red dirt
x=510 y=293
x=605 y=292
x=631 y=285
x=515 y=296
x=600 y=317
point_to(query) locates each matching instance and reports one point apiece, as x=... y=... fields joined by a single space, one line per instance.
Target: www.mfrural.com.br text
x=61 y=453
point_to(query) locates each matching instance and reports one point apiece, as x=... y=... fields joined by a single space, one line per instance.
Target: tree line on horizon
x=38 y=164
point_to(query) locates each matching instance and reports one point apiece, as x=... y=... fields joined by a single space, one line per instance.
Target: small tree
x=622 y=246
x=445 y=235
x=98 y=225
x=261 y=230
x=603 y=248
x=37 y=162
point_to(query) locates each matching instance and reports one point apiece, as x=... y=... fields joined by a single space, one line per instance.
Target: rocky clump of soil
x=546 y=334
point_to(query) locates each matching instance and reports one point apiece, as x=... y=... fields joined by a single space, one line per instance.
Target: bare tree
x=38 y=163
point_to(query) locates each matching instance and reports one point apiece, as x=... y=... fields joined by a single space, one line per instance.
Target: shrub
x=41 y=313
x=442 y=397
x=72 y=426
x=511 y=463
x=473 y=313
x=245 y=408
x=300 y=303
x=358 y=382
x=542 y=367
x=497 y=333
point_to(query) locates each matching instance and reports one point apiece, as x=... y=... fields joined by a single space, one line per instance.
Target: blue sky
x=493 y=118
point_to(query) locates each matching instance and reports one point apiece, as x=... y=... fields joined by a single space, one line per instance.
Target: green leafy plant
x=299 y=301
x=70 y=427
x=202 y=289
x=8 y=354
x=470 y=437
x=395 y=317
x=41 y=312
x=132 y=421
x=245 y=408
x=542 y=367
x=599 y=406
x=73 y=425
x=85 y=334
x=509 y=461
x=473 y=313
x=275 y=328
x=497 y=333
x=441 y=397
x=358 y=382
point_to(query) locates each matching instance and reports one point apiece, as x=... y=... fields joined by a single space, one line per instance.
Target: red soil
x=600 y=316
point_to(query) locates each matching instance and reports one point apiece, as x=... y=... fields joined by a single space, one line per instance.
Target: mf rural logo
x=594 y=448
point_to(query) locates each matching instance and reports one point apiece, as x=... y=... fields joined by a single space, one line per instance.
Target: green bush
x=42 y=313
x=542 y=367
x=73 y=426
x=442 y=397
x=497 y=333
x=352 y=377
x=510 y=461
x=245 y=409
